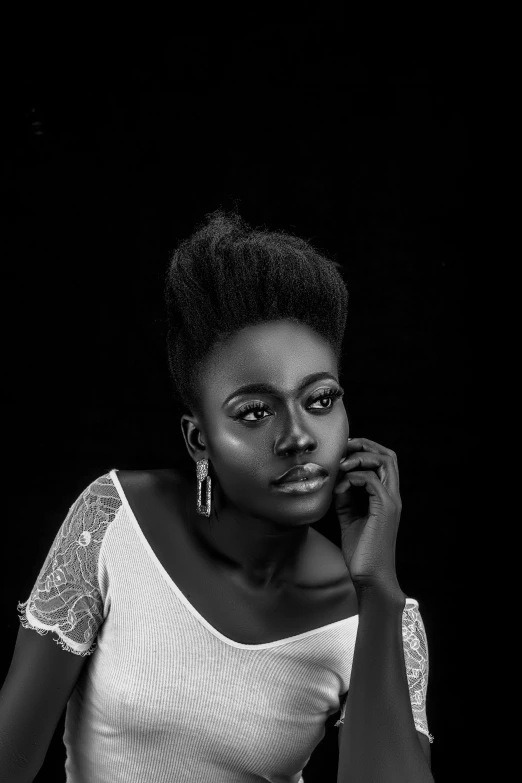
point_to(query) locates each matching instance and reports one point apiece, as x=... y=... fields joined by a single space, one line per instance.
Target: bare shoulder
x=144 y=489
x=130 y=477
x=324 y=562
x=324 y=569
x=148 y=478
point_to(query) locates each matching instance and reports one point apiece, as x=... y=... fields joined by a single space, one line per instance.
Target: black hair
x=226 y=276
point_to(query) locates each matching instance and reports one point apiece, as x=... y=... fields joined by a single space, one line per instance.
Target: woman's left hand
x=369 y=530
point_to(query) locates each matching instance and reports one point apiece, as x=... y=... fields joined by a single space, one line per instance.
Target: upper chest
x=325 y=594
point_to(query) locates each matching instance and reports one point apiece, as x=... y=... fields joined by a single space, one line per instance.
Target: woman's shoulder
x=151 y=489
x=325 y=561
x=154 y=477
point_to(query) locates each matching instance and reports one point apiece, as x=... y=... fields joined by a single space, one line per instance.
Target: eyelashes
x=331 y=394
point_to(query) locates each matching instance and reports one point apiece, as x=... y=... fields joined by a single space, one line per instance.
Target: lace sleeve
x=66 y=597
x=417 y=663
x=416 y=658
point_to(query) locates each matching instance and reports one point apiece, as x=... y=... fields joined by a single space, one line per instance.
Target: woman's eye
x=253 y=408
x=252 y=412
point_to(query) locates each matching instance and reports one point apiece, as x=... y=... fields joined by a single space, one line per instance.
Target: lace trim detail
x=21 y=608
x=416 y=659
x=66 y=597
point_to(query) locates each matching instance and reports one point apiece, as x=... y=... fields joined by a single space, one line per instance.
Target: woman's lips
x=301 y=487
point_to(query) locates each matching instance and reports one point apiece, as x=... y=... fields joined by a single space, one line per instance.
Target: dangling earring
x=202 y=472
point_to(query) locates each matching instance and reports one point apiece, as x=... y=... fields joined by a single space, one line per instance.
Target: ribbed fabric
x=166 y=698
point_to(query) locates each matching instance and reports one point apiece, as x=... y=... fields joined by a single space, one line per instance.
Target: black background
x=116 y=149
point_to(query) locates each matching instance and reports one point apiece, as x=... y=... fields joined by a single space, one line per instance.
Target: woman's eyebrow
x=267 y=388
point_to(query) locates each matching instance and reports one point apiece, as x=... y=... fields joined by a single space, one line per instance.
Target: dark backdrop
x=115 y=151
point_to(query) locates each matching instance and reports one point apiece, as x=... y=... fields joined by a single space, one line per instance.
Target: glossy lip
x=301 y=487
x=309 y=471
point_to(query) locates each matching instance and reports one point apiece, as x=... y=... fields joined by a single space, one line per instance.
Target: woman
x=224 y=626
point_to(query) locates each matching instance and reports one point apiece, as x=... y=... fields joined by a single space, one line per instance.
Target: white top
x=166 y=697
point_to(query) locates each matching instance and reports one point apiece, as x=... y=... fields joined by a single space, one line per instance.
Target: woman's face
x=248 y=449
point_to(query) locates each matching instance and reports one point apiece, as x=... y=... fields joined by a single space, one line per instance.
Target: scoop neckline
x=172 y=584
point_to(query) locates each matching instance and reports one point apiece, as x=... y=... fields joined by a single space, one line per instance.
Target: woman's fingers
x=385 y=464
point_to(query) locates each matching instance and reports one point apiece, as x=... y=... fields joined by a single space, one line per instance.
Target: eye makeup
x=329 y=393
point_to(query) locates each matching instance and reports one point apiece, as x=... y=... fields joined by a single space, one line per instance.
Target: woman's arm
x=379 y=742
